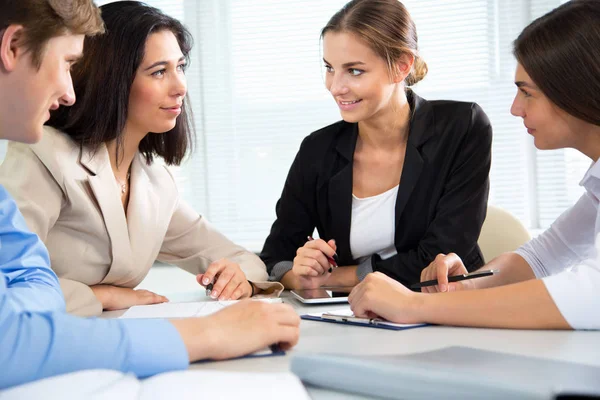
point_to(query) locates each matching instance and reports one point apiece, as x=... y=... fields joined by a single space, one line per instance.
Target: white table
x=321 y=337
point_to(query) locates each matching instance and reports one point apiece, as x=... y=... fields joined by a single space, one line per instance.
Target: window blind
x=256 y=86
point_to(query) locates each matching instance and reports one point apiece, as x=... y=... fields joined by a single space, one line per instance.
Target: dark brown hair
x=386 y=26
x=44 y=19
x=561 y=53
x=102 y=81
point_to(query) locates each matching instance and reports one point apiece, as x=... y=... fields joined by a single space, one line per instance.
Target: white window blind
x=256 y=86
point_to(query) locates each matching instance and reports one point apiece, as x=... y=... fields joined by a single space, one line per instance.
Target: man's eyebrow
x=156 y=64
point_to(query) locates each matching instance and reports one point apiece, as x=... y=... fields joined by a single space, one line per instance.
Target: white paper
x=223 y=385
x=190 y=384
x=183 y=310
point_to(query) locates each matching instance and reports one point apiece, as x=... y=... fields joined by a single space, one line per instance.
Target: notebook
x=449 y=373
x=190 y=384
x=345 y=316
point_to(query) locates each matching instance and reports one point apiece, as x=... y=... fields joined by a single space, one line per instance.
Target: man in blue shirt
x=39 y=41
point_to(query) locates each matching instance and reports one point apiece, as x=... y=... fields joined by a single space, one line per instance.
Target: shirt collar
x=591 y=179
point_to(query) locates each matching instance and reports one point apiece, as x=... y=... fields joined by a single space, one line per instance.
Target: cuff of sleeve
x=267 y=289
x=280 y=269
x=364 y=268
x=575 y=294
x=155 y=346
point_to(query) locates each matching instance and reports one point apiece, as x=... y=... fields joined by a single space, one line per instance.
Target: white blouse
x=372 y=226
x=572 y=241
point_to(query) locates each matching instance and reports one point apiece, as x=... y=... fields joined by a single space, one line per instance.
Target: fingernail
x=205 y=281
x=443 y=287
x=330 y=269
x=213 y=295
x=336 y=258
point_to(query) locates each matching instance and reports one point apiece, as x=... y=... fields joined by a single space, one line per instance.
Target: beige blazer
x=70 y=198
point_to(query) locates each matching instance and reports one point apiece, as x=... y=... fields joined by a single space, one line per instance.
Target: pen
x=333 y=261
x=456 y=278
x=209 y=288
x=275 y=348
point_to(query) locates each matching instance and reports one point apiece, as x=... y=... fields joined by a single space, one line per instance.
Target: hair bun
x=419 y=72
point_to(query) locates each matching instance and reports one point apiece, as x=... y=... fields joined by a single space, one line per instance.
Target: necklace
x=123 y=184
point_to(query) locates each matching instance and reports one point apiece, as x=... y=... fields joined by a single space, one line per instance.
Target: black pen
x=275 y=348
x=456 y=278
x=209 y=288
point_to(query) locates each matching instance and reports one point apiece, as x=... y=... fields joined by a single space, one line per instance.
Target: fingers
x=308 y=259
x=324 y=247
x=287 y=336
x=212 y=271
x=145 y=297
x=242 y=291
x=285 y=315
x=227 y=280
x=356 y=295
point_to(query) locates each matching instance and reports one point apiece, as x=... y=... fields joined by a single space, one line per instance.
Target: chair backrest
x=501 y=232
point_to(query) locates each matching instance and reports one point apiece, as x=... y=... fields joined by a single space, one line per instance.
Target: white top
x=569 y=242
x=372 y=225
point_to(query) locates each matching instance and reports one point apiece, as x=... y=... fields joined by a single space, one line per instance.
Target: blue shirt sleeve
x=25 y=264
x=38 y=339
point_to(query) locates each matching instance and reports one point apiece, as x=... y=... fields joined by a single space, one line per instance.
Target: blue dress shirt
x=39 y=339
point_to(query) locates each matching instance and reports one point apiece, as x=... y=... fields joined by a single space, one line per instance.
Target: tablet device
x=323 y=295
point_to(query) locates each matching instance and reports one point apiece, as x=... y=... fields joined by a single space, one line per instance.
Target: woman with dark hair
x=558 y=97
x=91 y=189
x=398 y=181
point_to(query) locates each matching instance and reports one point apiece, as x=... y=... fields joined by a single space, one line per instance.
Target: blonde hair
x=386 y=27
x=45 y=19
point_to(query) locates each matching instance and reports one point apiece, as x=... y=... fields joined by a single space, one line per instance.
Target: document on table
x=183 y=310
x=190 y=384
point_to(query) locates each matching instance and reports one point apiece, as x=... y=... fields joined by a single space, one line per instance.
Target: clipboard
x=346 y=317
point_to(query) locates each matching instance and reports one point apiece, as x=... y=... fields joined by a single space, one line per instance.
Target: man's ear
x=10 y=46
x=403 y=66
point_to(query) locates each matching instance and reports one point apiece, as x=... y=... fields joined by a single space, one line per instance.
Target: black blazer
x=441 y=202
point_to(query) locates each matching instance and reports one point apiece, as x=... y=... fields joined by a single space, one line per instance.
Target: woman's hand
x=229 y=281
x=118 y=298
x=441 y=268
x=311 y=267
x=381 y=296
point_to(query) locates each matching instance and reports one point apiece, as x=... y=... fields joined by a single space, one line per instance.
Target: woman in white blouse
x=558 y=81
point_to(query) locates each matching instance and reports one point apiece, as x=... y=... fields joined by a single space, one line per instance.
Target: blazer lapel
x=340 y=195
x=421 y=128
x=413 y=165
x=142 y=212
x=103 y=185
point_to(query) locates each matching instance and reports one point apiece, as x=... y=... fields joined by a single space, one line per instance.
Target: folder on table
x=449 y=373
x=345 y=316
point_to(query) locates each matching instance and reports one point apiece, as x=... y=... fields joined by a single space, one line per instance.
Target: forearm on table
x=524 y=305
x=512 y=269
x=343 y=276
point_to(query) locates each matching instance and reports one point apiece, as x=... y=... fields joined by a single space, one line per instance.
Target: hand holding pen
x=316 y=258
x=225 y=280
